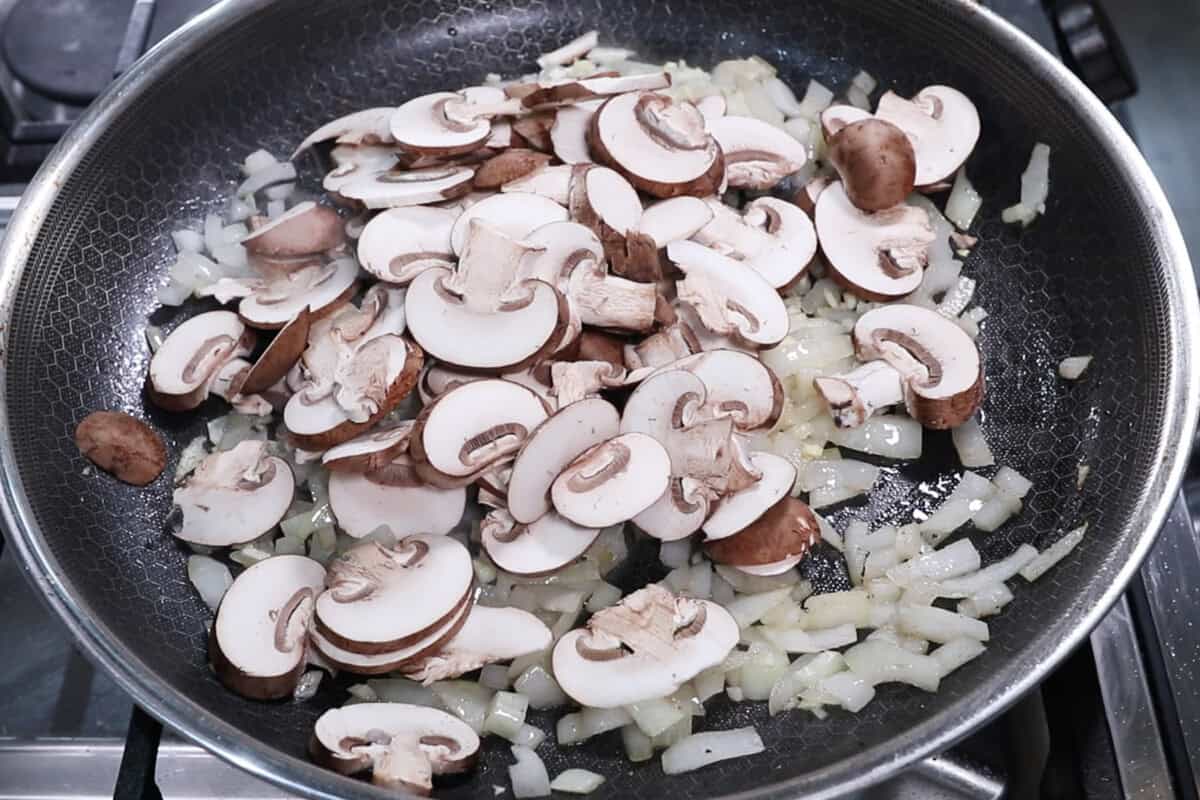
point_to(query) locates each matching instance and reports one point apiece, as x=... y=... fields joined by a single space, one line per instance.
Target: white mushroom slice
x=757 y=154
x=939 y=362
x=729 y=297
x=575 y=380
x=836 y=117
x=381 y=313
x=613 y=481
x=372 y=450
x=805 y=198
x=319 y=289
x=792 y=243
x=551 y=447
x=739 y=509
x=403 y=746
x=942 y=124
x=508 y=166
x=439 y=379
x=489 y=635
x=421 y=126
x=382 y=598
x=678 y=513
x=788 y=529
x=737 y=385
x=501 y=135
x=363 y=388
x=367 y=127
x=283 y=351
x=674 y=218
x=227 y=384
x=643 y=648
x=573 y=50
x=771 y=569
x=856 y=395
x=876 y=163
x=258 y=641
x=569 y=132
x=712 y=107
x=704 y=340
x=662 y=348
x=399 y=244
x=547 y=544
x=730 y=233
x=397 y=188
x=234 y=496
x=393 y=496
x=659 y=144
x=425 y=645
x=302 y=229
x=351 y=163
x=476 y=426
x=186 y=362
x=515 y=214
x=573 y=91
x=557 y=249
x=879 y=256
x=550 y=182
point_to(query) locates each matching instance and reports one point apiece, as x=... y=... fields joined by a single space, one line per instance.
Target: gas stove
x=1119 y=719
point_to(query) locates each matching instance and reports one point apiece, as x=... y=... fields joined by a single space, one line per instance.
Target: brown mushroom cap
x=283 y=351
x=942 y=124
x=876 y=163
x=303 y=229
x=509 y=166
x=122 y=445
x=786 y=530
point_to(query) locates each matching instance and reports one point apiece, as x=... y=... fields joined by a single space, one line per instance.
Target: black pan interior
x=1081 y=280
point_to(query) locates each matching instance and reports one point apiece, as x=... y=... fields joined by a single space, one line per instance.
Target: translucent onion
x=702 y=749
x=638 y=746
x=1053 y=554
x=528 y=775
x=956 y=559
x=1035 y=180
x=987 y=602
x=816 y=99
x=955 y=653
x=747 y=609
x=211 y=579
x=796 y=640
x=964 y=202
x=540 y=687
x=577 y=781
x=939 y=625
x=1072 y=368
x=655 y=716
x=881 y=662
x=402 y=690
x=467 y=700
x=888 y=436
x=972 y=447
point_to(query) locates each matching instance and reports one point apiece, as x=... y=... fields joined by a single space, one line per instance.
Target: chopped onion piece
x=187 y=241
x=766 y=666
x=967 y=585
x=1053 y=554
x=173 y=294
x=957 y=298
x=1081 y=475
x=972 y=447
x=955 y=653
x=655 y=716
x=1018 y=213
x=816 y=99
x=577 y=781
x=467 y=700
x=280 y=191
x=956 y=510
x=1035 y=180
x=881 y=662
x=987 y=602
x=710 y=747
x=675 y=554
x=783 y=97
x=938 y=624
x=750 y=608
x=964 y=202
x=581 y=726
x=846 y=689
x=996 y=511
x=829 y=534
x=856 y=550
x=677 y=732
x=838 y=608
x=307 y=686
x=543 y=691
x=257 y=161
x=795 y=640
x=495 y=676
x=888 y=633
x=865 y=81
x=638 y=746
x=211 y=579
x=528 y=776
x=267 y=176
x=888 y=436
x=829 y=482
x=402 y=690
x=528 y=736
x=956 y=559
x=709 y=683
x=856 y=97
x=604 y=595
x=1011 y=482
x=1072 y=368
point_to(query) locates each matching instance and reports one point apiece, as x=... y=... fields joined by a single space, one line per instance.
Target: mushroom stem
x=855 y=396
x=607 y=301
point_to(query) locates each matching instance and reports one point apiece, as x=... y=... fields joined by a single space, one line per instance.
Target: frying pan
x=1104 y=272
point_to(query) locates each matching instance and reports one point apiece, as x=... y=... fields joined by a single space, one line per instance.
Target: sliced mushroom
x=805 y=198
x=125 y=446
x=399 y=244
x=371 y=126
x=712 y=107
x=856 y=395
x=394 y=496
x=613 y=481
x=788 y=529
x=573 y=50
x=258 y=641
x=227 y=384
x=370 y=451
x=352 y=163
x=643 y=648
x=557 y=248
x=551 y=447
x=303 y=229
x=540 y=547
x=234 y=496
x=703 y=340
x=583 y=89
x=879 y=256
x=569 y=132
x=380 y=599
x=757 y=154
x=283 y=351
x=772 y=236
x=673 y=219
x=533 y=130
x=836 y=117
x=600 y=346
x=938 y=360
x=489 y=635
x=509 y=166
x=876 y=163
x=551 y=182
x=515 y=214
x=475 y=427
x=607 y=301
x=943 y=125
x=738 y=509
x=662 y=348
x=363 y=389
x=737 y=385
x=660 y=145
x=392 y=188
x=483 y=315
x=403 y=746
x=184 y=365
x=319 y=289
x=604 y=201
x=575 y=380
x=422 y=126
x=729 y=297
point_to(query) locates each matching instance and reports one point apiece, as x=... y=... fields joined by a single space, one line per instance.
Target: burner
x=65 y=49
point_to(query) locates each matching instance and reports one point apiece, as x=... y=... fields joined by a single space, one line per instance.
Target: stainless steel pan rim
x=863 y=769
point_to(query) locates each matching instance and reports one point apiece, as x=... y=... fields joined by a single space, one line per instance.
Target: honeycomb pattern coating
x=1078 y=281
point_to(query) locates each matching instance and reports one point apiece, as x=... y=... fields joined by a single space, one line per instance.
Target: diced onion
x=967 y=585
x=955 y=653
x=709 y=683
x=966 y=498
x=583 y=725
x=638 y=746
x=656 y=715
x=782 y=96
x=710 y=747
x=173 y=294
x=838 y=608
x=865 y=81
x=795 y=640
x=675 y=554
x=190 y=458
x=996 y=511
x=1072 y=368
x=307 y=686
x=528 y=736
x=495 y=676
x=753 y=584
x=187 y=241
x=964 y=202
x=1053 y=554
x=506 y=713
x=972 y=447
x=855 y=550
x=888 y=436
x=577 y=781
x=858 y=98
x=467 y=700
x=938 y=624
x=1035 y=180
x=528 y=775
x=543 y=691
x=210 y=577
x=816 y=99
x=1018 y=213
x=402 y=690
x=881 y=662
x=258 y=161
x=846 y=689
x=766 y=666
x=267 y=176
x=956 y=559
x=829 y=482
x=280 y=191
x=987 y=602
x=603 y=596
x=957 y=297
x=1011 y=482
x=750 y=608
